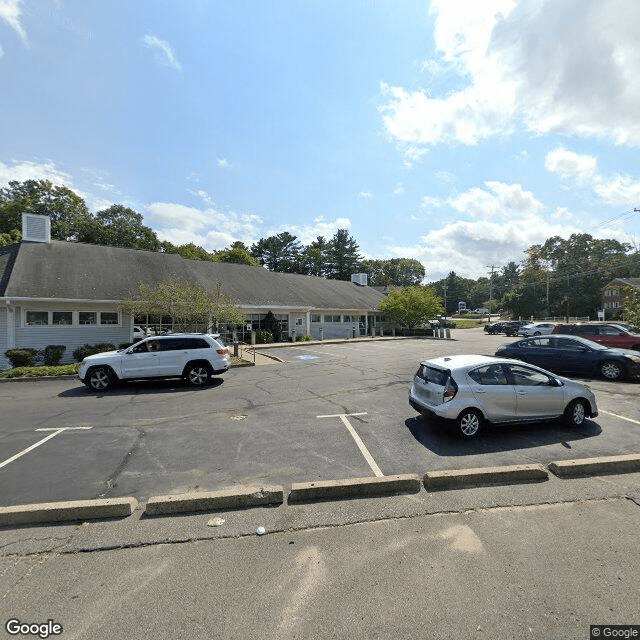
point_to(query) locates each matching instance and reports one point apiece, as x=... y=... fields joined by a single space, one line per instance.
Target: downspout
x=11 y=325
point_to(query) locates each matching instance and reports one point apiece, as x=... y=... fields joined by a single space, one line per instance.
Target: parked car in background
x=509 y=327
x=611 y=335
x=536 y=329
x=574 y=355
x=470 y=390
x=194 y=357
x=139 y=333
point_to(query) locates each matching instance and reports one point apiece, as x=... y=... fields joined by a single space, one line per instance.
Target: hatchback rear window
x=432 y=374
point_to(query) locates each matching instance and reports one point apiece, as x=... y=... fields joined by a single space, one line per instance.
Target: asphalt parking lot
x=324 y=412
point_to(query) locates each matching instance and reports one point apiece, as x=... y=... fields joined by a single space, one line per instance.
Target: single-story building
x=612 y=295
x=68 y=293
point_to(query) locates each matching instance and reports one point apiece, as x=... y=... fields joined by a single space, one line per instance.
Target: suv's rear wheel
x=197 y=374
x=100 y=379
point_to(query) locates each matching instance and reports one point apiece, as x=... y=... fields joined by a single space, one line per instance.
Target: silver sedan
x=470 y=390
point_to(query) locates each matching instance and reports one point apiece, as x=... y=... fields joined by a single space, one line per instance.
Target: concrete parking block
x=67 y=511
x=603 y=465
x=231 y=498
x=354 y=488
x=485 y=476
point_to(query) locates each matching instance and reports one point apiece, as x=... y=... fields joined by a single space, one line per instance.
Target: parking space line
x=615 y=415
x=37 y=444
x=363 y=449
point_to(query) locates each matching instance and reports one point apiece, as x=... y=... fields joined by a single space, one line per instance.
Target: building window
x=332 y=318
x=298 y=322
x=108 y=317
x=37 y=318
x=315 y=318
x=87 y=317
x=62 y=317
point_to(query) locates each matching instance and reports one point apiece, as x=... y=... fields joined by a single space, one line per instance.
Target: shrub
x=264 y=337
x=304 y=338
x=53 y=354
x=88 y=350
x=21 y=357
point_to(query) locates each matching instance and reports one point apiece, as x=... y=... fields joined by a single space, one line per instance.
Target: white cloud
x=548 y=66
x=1 y=51
x=614 y=190
x=502 y=221
x=223 y=163
x=163 y=50
x=367 y=195
x=10 y=11
x=24 y=170
x=399 y=189
x=308 y=233
x=181 y=224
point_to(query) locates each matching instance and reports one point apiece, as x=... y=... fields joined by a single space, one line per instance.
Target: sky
x=454 y=132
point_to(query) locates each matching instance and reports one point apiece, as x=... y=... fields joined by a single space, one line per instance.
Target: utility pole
x=490 y=288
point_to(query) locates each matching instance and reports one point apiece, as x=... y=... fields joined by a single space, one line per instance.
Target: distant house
x=612 y=295
x=67 y=293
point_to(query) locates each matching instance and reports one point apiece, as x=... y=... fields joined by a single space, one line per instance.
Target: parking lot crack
x=111 y=481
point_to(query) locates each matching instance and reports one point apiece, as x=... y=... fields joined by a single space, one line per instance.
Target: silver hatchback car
x=470 y=390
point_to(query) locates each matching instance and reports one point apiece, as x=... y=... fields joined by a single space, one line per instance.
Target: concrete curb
x=241 y=497
x=230 y=498
x=354 y=488
x=596 y=466
x=482 y=477
x=67 y=511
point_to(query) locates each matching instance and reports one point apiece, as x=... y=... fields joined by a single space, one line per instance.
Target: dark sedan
x=571 y=354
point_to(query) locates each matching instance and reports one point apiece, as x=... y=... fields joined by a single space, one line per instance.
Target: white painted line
x=615 y=415
x=363 y=449
x=37 y=444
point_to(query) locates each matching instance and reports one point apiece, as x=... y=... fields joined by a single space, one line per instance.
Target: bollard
x=253 y=338
x=321 y=333
x=393 y=332
x=235 y=348
x=448 y=332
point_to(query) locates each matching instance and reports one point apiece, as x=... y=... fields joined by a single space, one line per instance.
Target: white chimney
x=36 y=228
x=359 y=279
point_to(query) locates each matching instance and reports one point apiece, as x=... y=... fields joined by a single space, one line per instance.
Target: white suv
x=192 y=356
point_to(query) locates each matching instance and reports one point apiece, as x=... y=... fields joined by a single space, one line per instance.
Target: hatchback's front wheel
x=576 y=413
x=469 y=423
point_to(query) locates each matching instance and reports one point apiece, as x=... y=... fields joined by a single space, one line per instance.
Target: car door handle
x=521 y=393
x=479 y=390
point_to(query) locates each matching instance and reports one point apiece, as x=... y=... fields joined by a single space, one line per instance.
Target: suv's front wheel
x=197 y=374
x=99 y=379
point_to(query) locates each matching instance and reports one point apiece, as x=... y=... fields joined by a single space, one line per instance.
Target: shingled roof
x=76 y=271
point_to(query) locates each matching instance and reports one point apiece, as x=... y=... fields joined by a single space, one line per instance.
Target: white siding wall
x=72 y=336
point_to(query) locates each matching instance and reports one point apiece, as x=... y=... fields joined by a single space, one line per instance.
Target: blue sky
x=457 y=133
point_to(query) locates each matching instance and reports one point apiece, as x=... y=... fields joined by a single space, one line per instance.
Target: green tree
x=67 y=210
x=281 y=252
x=187 y=303
x=237 y=253
x=13 y=237
x=313 y=260
x=401 y=272
x=412 y=306
x=120 y=226
x=343 y=257
x=631 y=305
